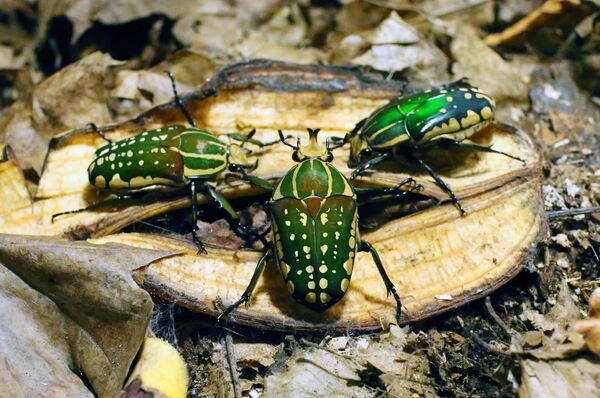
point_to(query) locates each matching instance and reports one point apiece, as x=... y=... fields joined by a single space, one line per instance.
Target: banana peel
x=159 y=373
x=438 y=259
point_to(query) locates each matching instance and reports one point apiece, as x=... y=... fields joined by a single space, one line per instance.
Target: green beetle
x=314 y=218
x=406 y=125
x=173 y=156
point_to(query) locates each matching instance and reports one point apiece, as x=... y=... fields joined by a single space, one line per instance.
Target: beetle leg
x=389 y=285
x=387 y=191
x=254 y=180
x=180 y=105
x=234 y=218
x=195 y=238
x=475 y=147
x=98 y=205
x=245 y=299
x=368 y=196
x=370 y=163
x=441 y=183
x=100 y=132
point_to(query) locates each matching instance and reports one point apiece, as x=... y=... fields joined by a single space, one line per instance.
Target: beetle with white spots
x=317 y=203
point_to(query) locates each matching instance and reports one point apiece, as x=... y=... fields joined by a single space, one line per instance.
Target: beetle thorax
x=239 y=156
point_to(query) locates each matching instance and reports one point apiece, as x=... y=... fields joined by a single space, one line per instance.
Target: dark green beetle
x=314 y=218
x=172 y=156
x=406 y=125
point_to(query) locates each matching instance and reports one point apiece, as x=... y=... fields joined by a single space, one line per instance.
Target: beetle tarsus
x=370 y=163
x=99 y=132
x=394 y=293
x=245 y=298
x=441 y=183
x=197 y=241
x=389 y=285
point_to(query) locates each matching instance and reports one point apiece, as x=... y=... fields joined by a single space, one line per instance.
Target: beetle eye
x=295 y=157
x=329 y=157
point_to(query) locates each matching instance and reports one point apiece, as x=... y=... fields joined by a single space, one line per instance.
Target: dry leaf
x=560 y=379
x=316 y=372
x=70 y=307
x=255 y=355
x=68 y=99
x=503 y=80
x=146 y=88
x=590 y=328
x=396 y=46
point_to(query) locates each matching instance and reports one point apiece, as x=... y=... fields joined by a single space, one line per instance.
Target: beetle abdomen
x=316 y=250
x=140 y=161
x=457 y=113
x=314 y=222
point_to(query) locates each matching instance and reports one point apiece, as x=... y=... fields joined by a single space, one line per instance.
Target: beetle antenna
x=339 y=144
x=178 y=101
x=283 y=139
x=248 y=137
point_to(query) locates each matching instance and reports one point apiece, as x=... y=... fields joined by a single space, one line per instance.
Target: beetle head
x=237 y=157
x=358 y=148
x=312 y=150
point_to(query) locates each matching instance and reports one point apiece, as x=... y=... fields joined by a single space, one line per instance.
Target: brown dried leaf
x=70 y=307
x=316 y=372
x=590 y=328
x=555 y=338
x=255 y=355
x=146 y=88
x=68 y=99
x=485 y=68
x=560 y=379
x=397 y=46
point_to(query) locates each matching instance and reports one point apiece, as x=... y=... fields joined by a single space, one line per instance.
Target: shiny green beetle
x=314 y=218
x=444 y=116
x=172 y=156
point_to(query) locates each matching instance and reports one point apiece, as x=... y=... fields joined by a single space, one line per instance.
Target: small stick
x=232 y=365
x=572 y=212
x=488 y=306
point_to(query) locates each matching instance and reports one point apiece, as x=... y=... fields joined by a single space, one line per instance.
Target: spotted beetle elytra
x=314 y=219
x=173 y=156
x=407 y=125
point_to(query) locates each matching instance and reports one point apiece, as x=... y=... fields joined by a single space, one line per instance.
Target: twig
x=572 y=212
x=329 y=350
x=486 y=346
x=488 y=306
x=231 y=361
